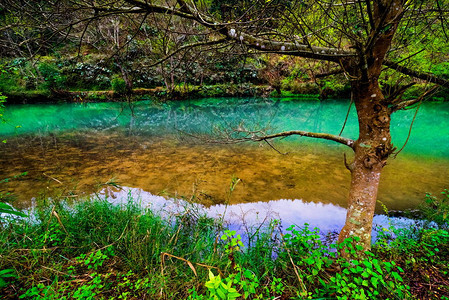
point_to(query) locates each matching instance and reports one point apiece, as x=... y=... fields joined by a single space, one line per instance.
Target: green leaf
x=7 y=209
x=397 y=276
x=211 y=275
x=374 y=281
x=221 y=294
x=7 y=273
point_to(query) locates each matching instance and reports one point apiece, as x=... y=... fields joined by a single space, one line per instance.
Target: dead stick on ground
x=52 y=178
x=59 y=220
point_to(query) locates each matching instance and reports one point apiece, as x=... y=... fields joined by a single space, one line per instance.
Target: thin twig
x=347 y=115
x=410 y=130
x=274 y=148
x=58 y=181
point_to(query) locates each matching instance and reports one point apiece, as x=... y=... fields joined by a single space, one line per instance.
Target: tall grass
x=95 y=250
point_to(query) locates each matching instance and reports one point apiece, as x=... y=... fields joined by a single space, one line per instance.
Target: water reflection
x=328 y=218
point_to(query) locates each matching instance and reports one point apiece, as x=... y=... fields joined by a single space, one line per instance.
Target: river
x=168 y=149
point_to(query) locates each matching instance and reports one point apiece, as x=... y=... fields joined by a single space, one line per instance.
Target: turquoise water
x=164 y=148
x=430 y=134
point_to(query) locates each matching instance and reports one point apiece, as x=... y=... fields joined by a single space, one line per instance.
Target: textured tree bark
x=372 y=149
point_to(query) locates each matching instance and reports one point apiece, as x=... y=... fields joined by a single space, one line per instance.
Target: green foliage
x=2 y=107
x=368 y=278
x=220 y=290
x=234 y=242
x=105 y=250
x=118 y=85
x=95 y=259
x=52 y=76
x=441 y=70
x=307 y=250
x=436 y=209
x=359 y=278
x=10 y=80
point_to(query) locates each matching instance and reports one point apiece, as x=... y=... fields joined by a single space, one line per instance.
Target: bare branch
x=294 y=48
x=317 y=135
x=186 y=47
x=257 y=137
x=330 y=73
x=408 y=103
x=420 y=75
x=153 y=8
x=290 y=48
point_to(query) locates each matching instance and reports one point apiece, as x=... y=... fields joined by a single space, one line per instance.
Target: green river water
x=71 y=150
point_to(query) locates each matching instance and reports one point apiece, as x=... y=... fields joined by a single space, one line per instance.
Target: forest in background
x=120 y=54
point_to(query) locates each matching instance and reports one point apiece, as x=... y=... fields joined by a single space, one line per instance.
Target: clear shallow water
x=71 y=149
x=430 y=133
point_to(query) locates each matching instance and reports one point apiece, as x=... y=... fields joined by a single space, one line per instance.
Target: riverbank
x=304 y=90
x=158 y=93
x=96 y=250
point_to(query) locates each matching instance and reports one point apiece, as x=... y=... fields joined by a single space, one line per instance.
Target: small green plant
x=436 y=209
x=95 y=259
x=308 y=251
x=38 y=292
x=51 y=237
x=234 y=241
x=368 y=278
x=275 y=288
x=233 y=245
x=246 y=280
x=219 y=289
x=365 y=277
x=90 y=290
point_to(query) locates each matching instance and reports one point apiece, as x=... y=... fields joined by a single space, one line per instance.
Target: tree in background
x=374 y=43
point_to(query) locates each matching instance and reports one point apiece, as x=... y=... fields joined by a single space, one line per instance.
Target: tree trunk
x=371 y=152
x=373 y=146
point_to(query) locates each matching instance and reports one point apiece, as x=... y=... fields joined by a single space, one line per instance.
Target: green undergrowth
x=96 y=250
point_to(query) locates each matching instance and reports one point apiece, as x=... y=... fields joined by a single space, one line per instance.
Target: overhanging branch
x=294 y=48
x=153 y=8
x=233 y=32
x=317 y=135
x=420 y=75
x=257 y=136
